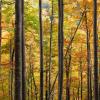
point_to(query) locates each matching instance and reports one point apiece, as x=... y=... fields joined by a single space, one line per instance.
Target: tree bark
x=23 y=57
x=18 y=49
x=95 y=52
x=41 y=50
x=60 y=49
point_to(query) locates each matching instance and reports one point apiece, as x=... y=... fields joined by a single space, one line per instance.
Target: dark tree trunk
x=46 y=77
x=60 y=50
x=95 y=52
x=41 y=50
x=18 y=49
x=23 y=57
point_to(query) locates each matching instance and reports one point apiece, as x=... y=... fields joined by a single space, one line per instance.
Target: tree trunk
x=95 y=52
x=68 y=65
x=11 y=72
x=50 y=62
x=89 y=92
x=23 y=57
x=41 y=50
x=81 y=78
x=46 y=77
x=60 y=50
x=18 y=49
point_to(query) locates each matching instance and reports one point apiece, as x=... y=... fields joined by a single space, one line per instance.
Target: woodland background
x=78 y=49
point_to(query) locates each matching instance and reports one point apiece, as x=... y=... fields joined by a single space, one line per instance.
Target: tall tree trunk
x=23 y=57
x=50 y=62
x=95 y=52
x=41 y=50
x=18 y=49
x=60 y=50
x=89 y=92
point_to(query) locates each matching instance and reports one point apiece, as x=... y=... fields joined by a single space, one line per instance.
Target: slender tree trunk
x=23 y=57
x=32 y=75
x=68 y=65
x=50 y=62
x=28 y=90
x=18 y=49
x=46 y=75
x=46 y=87
x=81 y=77
x=35 y=86
x=79 y=84
x=90 y=84
x=41 y=50
x=11 y=72
x=95 y=52
x=60 y=50
x=88 y=61
x=53 y=86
